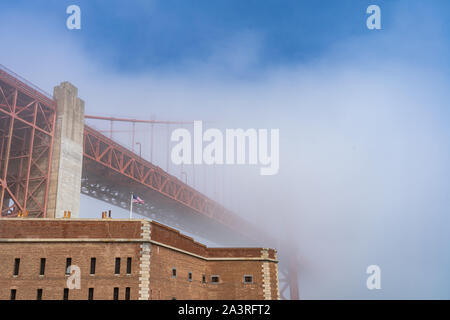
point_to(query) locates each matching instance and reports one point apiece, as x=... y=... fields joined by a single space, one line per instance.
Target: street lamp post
x=185 y=176
x=140 y=149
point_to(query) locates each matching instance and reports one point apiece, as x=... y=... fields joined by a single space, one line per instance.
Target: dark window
x=203 y=278
x=190 y=276
x=39 y=294
x=91 y=294
x=42 y=269
x=16 y=266
x=174 y=272
x=127 y=293
x=116 y=293
x=93 y=261
x=66 y=294
x=128 y=265
x=117 y=269
x=68 y=264
x=248 y=279
x=174 y=298
x=215 y=279
x=13 y=294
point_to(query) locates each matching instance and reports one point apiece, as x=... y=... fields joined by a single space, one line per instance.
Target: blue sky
x=145 y=35
x=363 y=116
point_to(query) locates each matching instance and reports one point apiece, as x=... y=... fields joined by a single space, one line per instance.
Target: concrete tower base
x=67 y=159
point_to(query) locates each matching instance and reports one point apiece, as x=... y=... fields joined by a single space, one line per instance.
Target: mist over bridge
x=48 y=155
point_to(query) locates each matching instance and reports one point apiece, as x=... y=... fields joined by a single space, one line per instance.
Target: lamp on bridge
x=140 y=149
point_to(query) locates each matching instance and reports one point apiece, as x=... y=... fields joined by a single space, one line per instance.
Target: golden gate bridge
x=28 y=117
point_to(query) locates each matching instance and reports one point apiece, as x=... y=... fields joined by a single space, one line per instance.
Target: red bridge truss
x=27 y=121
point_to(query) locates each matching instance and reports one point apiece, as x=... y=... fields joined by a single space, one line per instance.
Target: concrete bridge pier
x=67 y=158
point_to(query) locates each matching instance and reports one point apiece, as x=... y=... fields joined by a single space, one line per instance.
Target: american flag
x=136 y=199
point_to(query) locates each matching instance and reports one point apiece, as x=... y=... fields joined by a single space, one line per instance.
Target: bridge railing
x=26 y=86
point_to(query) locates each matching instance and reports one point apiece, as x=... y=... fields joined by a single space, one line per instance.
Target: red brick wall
x=231 y=275
x=164 y=286
x=70 y=228
x=162 y=260
x=54 y=279
x=231 y=285
x=174 y=238
x=234 y=252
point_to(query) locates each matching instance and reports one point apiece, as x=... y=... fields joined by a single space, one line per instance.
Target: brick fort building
x=125 y=259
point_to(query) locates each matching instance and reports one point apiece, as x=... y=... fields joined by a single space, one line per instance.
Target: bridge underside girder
x=101 y=183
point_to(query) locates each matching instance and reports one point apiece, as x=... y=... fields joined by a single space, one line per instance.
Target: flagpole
x=131 y=206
